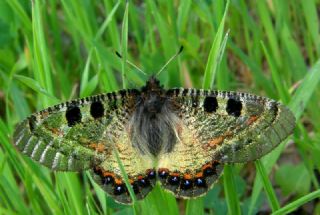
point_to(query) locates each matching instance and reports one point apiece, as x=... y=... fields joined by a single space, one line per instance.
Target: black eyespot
x=32 y=123
x=174 y=180
x=200 y=182
x=73 y=115
x=119 y=189
x=186 y=184
x=163 y=174
x=143 y=182
x=210 y=104
x=234 y=107
x=151 y=174
x=108 y=180
x=208 y=171
x=96 y=109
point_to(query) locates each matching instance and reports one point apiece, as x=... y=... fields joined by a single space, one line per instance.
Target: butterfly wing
x=83 y=134
x=216 y=128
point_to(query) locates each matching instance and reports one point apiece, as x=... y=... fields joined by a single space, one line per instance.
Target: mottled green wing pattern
x=72 y=136
x=84 y=134
x=219 y=127
x=238 y=127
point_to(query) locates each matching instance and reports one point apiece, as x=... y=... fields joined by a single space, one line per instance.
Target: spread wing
x=216 y=128
x=83 y=134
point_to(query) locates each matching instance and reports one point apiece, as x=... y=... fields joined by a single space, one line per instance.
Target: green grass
x=55 y=51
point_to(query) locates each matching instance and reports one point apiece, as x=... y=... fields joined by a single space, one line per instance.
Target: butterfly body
x=180 y=137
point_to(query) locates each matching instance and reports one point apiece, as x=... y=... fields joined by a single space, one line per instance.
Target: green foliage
x=52 y=51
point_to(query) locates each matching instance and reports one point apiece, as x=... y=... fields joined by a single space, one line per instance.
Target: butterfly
x=179 y=137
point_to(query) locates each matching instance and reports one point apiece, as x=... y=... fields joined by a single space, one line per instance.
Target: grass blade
x=214 y=55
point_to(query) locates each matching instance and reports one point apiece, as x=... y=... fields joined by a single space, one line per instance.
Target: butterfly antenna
x=169 y=61
x=131 y=64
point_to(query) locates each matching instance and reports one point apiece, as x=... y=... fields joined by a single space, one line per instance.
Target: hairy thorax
x=153 y=123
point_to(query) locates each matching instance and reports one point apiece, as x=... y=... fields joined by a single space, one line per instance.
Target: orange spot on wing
x=118 y=181
x=56 y=131
x=208 y=165
x=99 y=147
x=44 y=114
x=199 y=174
x=216 y=141
x=252 y=119
x=105 y=174
x=163 y=169
x=175 y=174
x=187 y=176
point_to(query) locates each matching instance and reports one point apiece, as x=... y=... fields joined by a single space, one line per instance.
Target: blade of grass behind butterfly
x=10 y=197
x=297 y=203
x=214 y=55
x=41 y=57
x=195 y=206
x=106 y=22
x=311 y=17
x=124 y=45
x=168 y=43
x=273 y=200
x=297 y=105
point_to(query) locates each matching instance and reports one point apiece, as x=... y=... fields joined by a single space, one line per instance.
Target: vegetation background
x=52 y=51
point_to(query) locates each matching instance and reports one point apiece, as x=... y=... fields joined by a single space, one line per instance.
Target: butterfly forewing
x=236 y=127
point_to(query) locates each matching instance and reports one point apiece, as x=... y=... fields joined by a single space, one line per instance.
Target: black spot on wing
x=119 y=189
x=210 y=104
x=234 y=107
x=73 y=115
x=32 y=123
x=186 y=184
x=96 y=109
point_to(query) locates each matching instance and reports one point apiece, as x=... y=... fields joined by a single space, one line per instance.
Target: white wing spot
x=20 y=138
x=56 y=160
x=27 y=145
x=70 y=161
x=35 y=149
x=43 y=155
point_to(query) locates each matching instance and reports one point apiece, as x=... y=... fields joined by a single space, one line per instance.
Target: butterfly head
x=152 y=85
